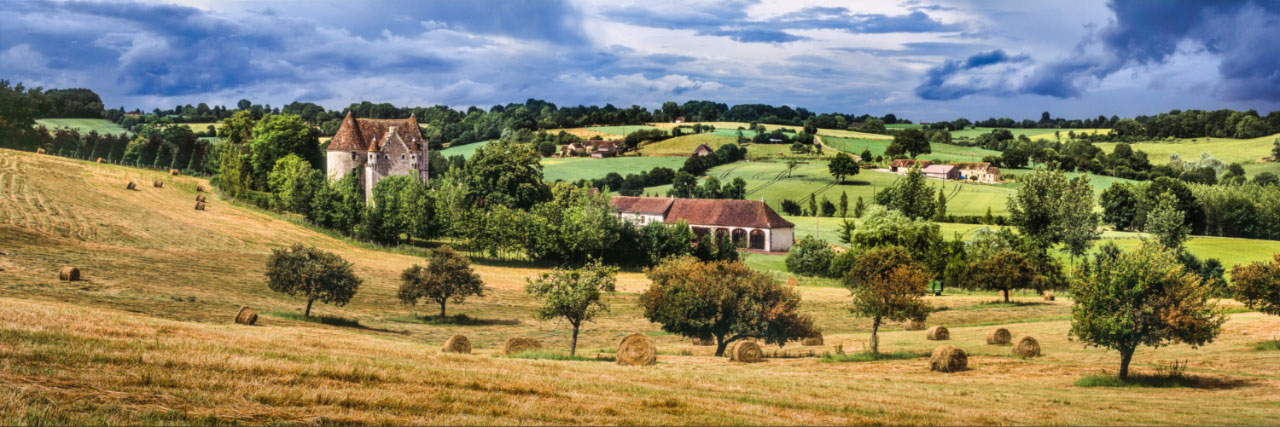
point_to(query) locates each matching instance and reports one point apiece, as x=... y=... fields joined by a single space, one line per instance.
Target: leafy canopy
x=887 y=285
x=312 y=274
x=447 y=277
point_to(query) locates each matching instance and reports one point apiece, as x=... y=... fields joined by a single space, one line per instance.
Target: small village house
x=703 y=151
x=905 y=165
x=573 y=149
x=981 y=172
x=605 y=149
x=750 y=223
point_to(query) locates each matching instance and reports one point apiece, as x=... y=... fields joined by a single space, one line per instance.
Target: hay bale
x=69 y=274
x=199 y=206
x=157 y=184
x=457 y=344
x=246 y=316
x=1026 y=347
x=999 y=336
x=746 y=352
x=792 y=282
x=99 y=160
x=173 y=172
x=938 y=333
x=637 y=350
x=39 y=151
x=946 y=358
x=700 y=341
x=812 y=341
x=1048 y=295
x=200 y=198
x=520 y=345
x=131 y=186
x=915 y=325
x=200 y=188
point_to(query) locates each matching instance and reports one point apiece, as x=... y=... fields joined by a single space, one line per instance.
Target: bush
x=811 y=257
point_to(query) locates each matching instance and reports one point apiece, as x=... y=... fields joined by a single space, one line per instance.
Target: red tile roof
x=714 y=212
x=369 y=134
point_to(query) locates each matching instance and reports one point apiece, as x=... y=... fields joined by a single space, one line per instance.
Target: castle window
x=402 y=157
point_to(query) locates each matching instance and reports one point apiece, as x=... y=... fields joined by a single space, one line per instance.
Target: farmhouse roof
x=733 y=213
x=643 y=205
x=369 y=134
x=703 y=150
x=938 y=169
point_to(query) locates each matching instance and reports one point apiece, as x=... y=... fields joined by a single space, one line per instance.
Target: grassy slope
x=684 y=145
x=1226 y=149
x=465 y=150
x=941 y=152
x=83 y=125
x=1030 y=133
x=146 y=339
x=575 y=168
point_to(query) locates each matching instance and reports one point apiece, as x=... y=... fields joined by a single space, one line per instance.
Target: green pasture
x=575 y=168
x=83 y=126
x=1033 y=134
x=619 y=130
x=1229 y=150
x=684 y=145
x=463 y=150
x=941 y=152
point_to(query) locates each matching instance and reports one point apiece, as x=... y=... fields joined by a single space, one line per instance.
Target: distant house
x=570 y=150
x=942 y=172
x=981 y=172
x=605 y=149
x=703 y=150
x=905 y=165
x=750 y=224
x=680 y=119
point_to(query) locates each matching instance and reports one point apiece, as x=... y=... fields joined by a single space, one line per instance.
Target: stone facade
x=376 y=149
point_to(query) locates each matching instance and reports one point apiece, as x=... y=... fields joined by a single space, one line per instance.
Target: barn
x=750 y=223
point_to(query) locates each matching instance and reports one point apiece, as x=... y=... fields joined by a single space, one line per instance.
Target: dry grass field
x=147 y=338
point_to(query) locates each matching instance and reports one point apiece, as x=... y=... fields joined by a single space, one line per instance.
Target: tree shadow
x=456 y=320
x=331 y=321
x=1164 y=381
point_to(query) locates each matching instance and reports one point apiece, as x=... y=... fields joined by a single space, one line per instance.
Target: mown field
x=575 y=168
x=685 y=144
x=465 y=150
x=83 y=126
x=1229 y=150
x=147 y=338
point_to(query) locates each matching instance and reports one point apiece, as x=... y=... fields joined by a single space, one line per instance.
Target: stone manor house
x=377 y=149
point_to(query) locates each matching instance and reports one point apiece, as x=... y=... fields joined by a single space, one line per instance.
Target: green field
x=1253 y=169
x=941 y=152
x=575 y=168
x=767 y=180
x=903 y=126
x=1229 y=150
x=619 y=130
x=1034 y=134
x=83 y=126
x=463 y=150
x=684 y=145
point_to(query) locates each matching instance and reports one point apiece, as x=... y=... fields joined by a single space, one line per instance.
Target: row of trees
x=1241 y=210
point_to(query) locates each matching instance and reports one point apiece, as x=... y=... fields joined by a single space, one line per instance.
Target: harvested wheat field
x=148 y=337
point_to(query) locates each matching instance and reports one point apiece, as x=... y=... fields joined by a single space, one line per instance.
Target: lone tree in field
x=312 y=274
x=1166 y=222
x=1143 y=297
x=1004 y=271
x=447 y=277
x=843 y=165
x=1257 y=285
x=725 y=300
x=573 y=294
x=887 y=285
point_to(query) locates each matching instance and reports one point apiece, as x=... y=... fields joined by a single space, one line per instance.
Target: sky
x=924 y=60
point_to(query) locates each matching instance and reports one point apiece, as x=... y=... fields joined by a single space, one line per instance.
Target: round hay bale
x=700 y=341
x=792 y=282
x=173 y=172
x=39 y=151
x=200 y=188
x=915 y=325
x=69 y=274
x=457 y=344
x=637 y=350
x=938 y=333
x=520 y=345
x=999 y=336
x=946 y=358
x=246 y=316
x=157 y=184
x=1026 y=347
x=200 y=198
x=131 y=186
x=99 y=160
x=746 y=352
x=199 y=206
x=1048 y=295
x=812 y=341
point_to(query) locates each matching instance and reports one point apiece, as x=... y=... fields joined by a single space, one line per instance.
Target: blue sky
x=921 y=59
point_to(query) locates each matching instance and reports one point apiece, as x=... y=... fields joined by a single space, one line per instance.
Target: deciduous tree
x=887 y=285
x=573 y=294
x=312 y=274
x=447 y=277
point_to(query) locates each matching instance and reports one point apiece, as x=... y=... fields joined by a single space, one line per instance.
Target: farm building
x=605 y=149
x=377 y=149
x=905 y=165
x=703 y=151
x=750 y=223
x=981 y=172
x=942 y=172
x=570 y=150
